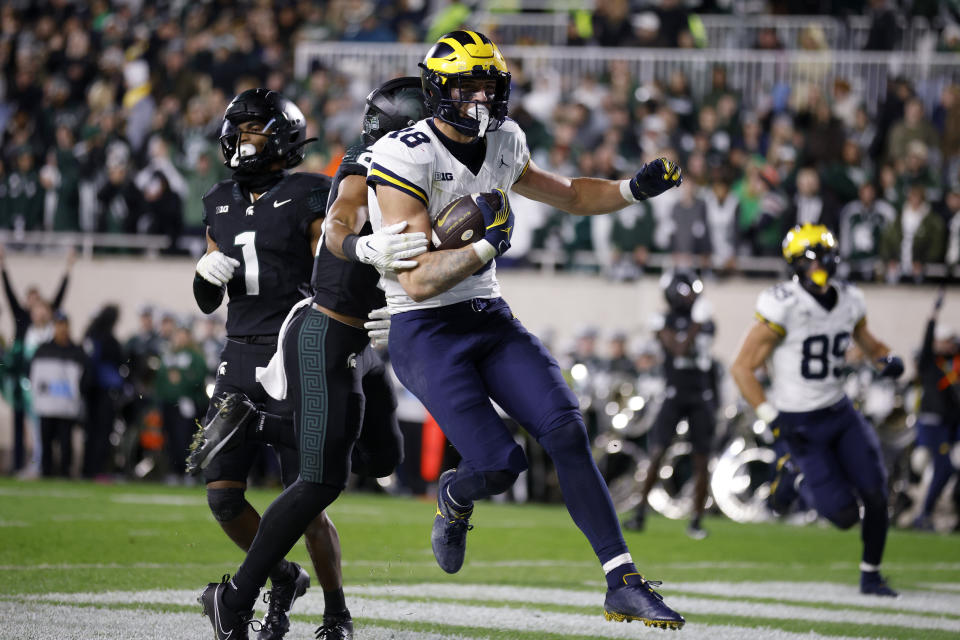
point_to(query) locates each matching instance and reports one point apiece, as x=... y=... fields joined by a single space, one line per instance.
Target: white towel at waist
x=273 y=378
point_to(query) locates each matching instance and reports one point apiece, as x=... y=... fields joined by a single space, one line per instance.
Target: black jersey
x=271 y=239
x=349 y=288
x=692 y=371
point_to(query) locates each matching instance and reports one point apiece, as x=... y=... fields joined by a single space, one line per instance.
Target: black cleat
x=695 y=531
x=638 y=521
x=224 y=431
x=637 y=600
x=874 y=584
x=449 y=535
x=280 y=600
x=338 y=626
x=227 y=623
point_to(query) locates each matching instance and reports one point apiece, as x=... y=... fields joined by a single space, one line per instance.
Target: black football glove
x=497 y=218
x=654 y=178
x=891 y=367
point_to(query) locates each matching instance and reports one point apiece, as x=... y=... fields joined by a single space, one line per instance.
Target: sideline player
x=686 y=336
x=804 y=326
x=333 y=381
x=454 y=342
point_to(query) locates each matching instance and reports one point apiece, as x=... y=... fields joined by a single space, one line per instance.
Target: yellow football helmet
x=806 y=243
x=459 y=56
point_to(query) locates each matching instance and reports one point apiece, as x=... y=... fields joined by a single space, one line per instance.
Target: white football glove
x=378 y=328
x=388 y=249
x=216 y=268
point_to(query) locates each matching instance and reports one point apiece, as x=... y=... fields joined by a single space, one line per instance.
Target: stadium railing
x=755 y=74
x=722 y=31
x=84 y=242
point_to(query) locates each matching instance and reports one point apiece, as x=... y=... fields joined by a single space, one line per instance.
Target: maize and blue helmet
x=459 y=56
x=806 y=243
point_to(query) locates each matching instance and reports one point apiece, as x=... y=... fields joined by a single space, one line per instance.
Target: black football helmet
x=456 y=57
x=284 y=126
x=396 y=104
x=681 y=289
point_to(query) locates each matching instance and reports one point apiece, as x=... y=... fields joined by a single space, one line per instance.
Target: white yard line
x=824 y=592
x=41 y=622
x=370 y=597
x=943 y=586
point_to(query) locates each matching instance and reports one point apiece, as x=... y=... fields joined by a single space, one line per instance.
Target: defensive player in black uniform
x=330 y=375
x=262 y=226
x=686 y=337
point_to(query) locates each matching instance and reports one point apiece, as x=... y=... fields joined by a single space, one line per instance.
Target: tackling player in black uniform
x=691 y=393
x=334 y=384
x=262 y=226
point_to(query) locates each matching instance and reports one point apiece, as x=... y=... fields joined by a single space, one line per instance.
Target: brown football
x=461 y=222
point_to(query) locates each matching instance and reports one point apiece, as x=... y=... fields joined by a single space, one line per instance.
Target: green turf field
x=81 y=560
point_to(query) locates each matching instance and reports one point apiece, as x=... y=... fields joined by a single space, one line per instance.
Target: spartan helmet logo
x=222 y=369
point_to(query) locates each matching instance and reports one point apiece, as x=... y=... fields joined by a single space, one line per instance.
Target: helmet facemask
x=482 y=117
x=806 y=244
x=244 y=156
x=827 y=260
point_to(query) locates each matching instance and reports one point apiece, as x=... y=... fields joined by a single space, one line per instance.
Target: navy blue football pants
x=458 y=358
x=839 y=454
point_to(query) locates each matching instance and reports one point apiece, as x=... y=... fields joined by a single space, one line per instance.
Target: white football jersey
x=807 y=365
x=415 y=161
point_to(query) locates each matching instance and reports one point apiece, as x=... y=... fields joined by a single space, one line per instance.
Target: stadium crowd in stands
x=110 y=113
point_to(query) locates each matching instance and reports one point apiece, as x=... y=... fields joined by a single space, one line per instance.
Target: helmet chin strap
x=482 y=115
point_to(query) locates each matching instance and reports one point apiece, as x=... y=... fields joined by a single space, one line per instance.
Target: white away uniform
x=806 y=365
x=415 y=161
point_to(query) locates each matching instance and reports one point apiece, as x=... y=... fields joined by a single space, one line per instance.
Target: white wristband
x=767 y=412
x=485 y=251
x=626 y=192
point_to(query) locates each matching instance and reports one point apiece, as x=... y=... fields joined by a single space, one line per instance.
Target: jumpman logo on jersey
x=502 y=162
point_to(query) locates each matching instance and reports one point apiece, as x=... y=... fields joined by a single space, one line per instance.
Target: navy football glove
x=891 y=367
x=497 y=218
x=654 y=178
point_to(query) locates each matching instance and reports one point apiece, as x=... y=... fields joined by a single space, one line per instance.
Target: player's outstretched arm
x=436 y=271
x=756 y=348
x=593 y=196
x=386 y=249
x=890 y=366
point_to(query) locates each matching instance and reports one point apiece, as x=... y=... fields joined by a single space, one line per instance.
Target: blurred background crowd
x=110 y=113
x=88 y=401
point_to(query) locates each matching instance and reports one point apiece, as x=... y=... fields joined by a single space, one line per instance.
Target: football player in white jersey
x=833 y=457
x=454 y=342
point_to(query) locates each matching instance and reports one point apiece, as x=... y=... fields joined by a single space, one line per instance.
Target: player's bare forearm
x=346 y=215
x=756 y=348
x=439 y=271
x=436 y=271
x=579 y=196
x=868 y=343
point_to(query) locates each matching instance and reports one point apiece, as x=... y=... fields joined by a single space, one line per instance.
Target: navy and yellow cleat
x=874 y=584
x=637 y=600
x=449 y=535
x=224 y=431
x=337 y=626
x=227 y=623
x=279 y=601
x=783 y=489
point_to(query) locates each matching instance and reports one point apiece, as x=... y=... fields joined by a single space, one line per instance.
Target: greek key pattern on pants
x=313 y=395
